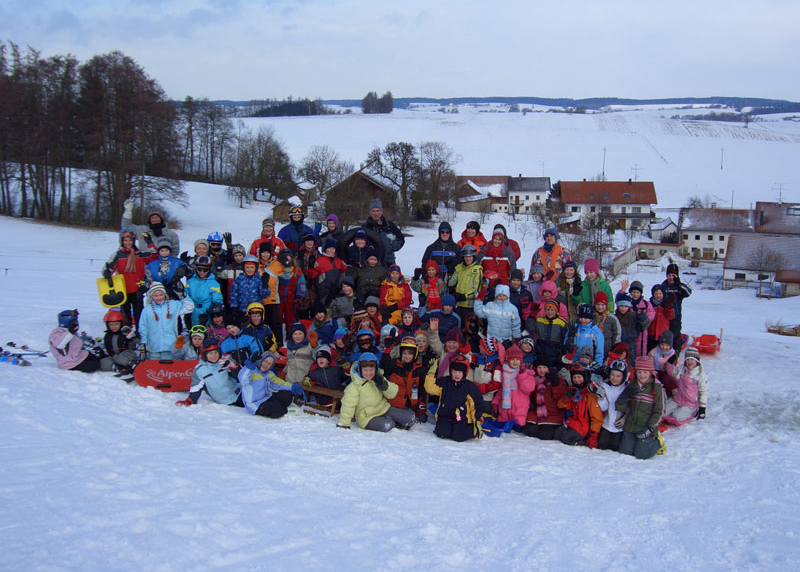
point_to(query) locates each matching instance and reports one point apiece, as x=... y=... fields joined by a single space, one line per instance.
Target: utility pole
x=721 y=155
x=604 y=163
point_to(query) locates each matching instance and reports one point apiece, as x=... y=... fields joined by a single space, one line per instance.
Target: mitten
x=106 y=273
x=297 y=389
x=701 y=413
x=73 y=328
x=265 y=280
x=417 y=273
x=179 y=341
x=380 y=382
x=535 y=307
x=459 y=297
x=184 y=256
x=644 y=433
x=673 y=359
x=571 y=392
x=185 y=402
x=145 y=236
x=127 y=211
x=620 y=422
x=591 y=442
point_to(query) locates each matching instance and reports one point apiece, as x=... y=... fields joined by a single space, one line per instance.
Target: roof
x=792 y=276
x=778 y=218
x=528 y=184
x=661 y=224
x=482 y=179
x=718 y=220
x=742 y=248
x=473 y=198
x=608 y=192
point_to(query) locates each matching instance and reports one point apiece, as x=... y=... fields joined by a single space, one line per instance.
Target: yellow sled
x=112 y=291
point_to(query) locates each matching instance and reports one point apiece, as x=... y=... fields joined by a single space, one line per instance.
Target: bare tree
x=261 y=164
x=323 y=168
x=398 y=163
x=437 y=178
x=766 y=262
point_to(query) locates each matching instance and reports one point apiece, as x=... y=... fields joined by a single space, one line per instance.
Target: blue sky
x=243 y=49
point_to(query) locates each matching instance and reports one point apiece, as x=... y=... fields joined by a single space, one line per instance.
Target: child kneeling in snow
x=461 y=405
x=263 y=392
x=611 y=432
x=212 y=375
x=691 y=390
x=583 y=417
x=544 y=416
x=642 y=404
x=365 y=398
x=513 y=398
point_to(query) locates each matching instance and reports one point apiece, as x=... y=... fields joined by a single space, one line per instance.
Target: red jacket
x=277 y=244
x=587 y=417
x=499 y=259
x=119 y=261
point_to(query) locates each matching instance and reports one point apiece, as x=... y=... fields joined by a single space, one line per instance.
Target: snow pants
x=89 y=365
x=569 y=436
x=454 y=430
x=276 y=406
x=609 y=441
x=679 y=413
x=639 y=448
x=395 y=417
x=122 y=359
x=540 y=431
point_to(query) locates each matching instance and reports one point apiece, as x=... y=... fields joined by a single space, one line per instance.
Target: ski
x=24 y=350
x=13 y=359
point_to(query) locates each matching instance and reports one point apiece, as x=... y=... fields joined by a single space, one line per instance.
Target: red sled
x=707 y=343
x=165 y=374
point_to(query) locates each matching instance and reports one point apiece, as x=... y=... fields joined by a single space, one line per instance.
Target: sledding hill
x=99 y=475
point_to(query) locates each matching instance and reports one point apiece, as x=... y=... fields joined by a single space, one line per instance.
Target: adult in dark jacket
x=292 y=234
x=443 y=251
x=390 y=233
x=156 y=228
x=675 y=290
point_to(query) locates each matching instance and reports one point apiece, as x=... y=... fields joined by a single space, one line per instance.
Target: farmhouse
x=705 y=232
x=626 y=204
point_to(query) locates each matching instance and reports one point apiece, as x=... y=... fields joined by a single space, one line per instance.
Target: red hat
x=601 y=297
x=513 y=352
x=645 y=363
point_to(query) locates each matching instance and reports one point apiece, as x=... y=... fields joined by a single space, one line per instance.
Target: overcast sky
x=251 y=49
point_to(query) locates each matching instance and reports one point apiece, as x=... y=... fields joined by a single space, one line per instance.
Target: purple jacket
x=67 y=348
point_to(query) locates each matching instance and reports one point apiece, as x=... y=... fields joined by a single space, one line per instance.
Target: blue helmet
x=214 y=237
x=67 y=317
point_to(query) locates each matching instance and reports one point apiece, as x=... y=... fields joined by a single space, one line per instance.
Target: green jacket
x=468 y=281
x=589 y=290
x=642 y=405
x=364 y=400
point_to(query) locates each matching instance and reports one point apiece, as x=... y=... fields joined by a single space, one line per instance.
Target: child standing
x=160 y=321
x=501 y=315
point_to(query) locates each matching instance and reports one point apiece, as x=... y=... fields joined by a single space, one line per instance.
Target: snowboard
x=165 y=374
x=112 y=291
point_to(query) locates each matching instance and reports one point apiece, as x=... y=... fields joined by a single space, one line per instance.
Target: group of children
x=555 y=356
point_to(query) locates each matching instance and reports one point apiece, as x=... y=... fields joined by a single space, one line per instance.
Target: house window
x=592 y=209
x=722 y=238
x=793 y=211
x=527 y=208
x=623 y=210
x=697 y=237
x=685 y=237
x=605 y=209
x=763 y=276
x=527 y=197
x=538 y=198
x=740 y=276
x=722 y=251
x=636 y=210
x=651 y=251
x=626 y=195
x=605 y=196
x=576 y=209
x=710 y=237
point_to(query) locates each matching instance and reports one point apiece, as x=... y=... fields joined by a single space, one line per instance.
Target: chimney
x=713 y=205
x=630 y=181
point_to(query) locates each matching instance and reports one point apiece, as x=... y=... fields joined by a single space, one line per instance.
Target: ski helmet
x=216 y=309
x=409 y=343
x=250 y=259
x=209 y=345
x=469 y=250
x=127 y=233
x=66 y=318
x=113 y=315
x=255 y=307
x=296 y=210
x=214 y=237
x=238 y=248
x=203 y=262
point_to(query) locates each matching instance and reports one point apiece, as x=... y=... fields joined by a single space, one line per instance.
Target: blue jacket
x=203 y=292
x=446 y=321
x=214 y=379
x=247 y=289
x=164 y=270
x=158 y=331
x=241 y=348
x=587 y=335
x=503 y=317
x=257 y=387
x=292 y=234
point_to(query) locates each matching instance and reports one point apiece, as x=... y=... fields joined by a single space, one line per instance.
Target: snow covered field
x=99 y=475
x=682 y=157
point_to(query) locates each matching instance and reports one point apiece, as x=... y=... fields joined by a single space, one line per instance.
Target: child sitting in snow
x=299 y=353
x=511 y=402
x=583 y=417
x=544 y=415
x=191 y=350
x=611 y=432
x=212 y=375
x=461 y=406
x=662 y=354
x=263 y=392
x=691 y=390
x=119 y=342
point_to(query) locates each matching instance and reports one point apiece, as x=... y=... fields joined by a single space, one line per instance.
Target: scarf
x=541 y=405
x=659 y=354
x=130 y=264
x=293 y=347
x=156 y=228
x=509 y=384
x=548 y=247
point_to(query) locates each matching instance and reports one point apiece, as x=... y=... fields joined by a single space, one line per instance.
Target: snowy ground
x=99 y=475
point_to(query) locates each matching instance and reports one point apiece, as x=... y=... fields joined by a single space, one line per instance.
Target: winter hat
x=468 y=250
x=618 y=348
x=163 y=242
x=601 y=297
x=360 y=233
x=579 y=369
x=488 y=346
x=267 y=222
x=238 y=248
x=499 y=231
x=459 y=363
x=516 y=273
x=329 y=243
x=308 y=236
x=622 y=299
x=339 y=334
x=636 y=285
x=334 y=218
x=406 y=310
x=372 y=301
x=448 y=300
x=552 y=230
x=673 y=269
x=420 y=335
x=367 y=357
x=453 y=335
x=156 y=287
x=656 y=287
x=323 y=352
x=473 y=224
x=537 y=268
x=501 y=289
x=552 y=303
x=444 y=225
x=265 y=247
x=297 y=327
x=549 y=286
x=266 y=355
x=591 y=265
x=526 y=340
x=644 y=363
x=349 y=281
x=375 y=204
x=317 y=307
x=365 y=332
x=394 y=268
x=586 y=352
x=513 y=353
x=585 y=311
x=691 y=352
x=202 y=241
x=619 y=365
x=666 y=337
x=359 y=316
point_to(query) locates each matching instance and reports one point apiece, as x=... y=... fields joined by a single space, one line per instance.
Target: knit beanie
x=513 y=353
x=644 y=363
x=601 y=297
x=591 y=265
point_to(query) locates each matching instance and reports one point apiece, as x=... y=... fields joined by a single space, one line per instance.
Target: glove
x=203 y=318
x=297 y=389
x=391 y=308
x=571 y=392
x=185 y=402
x=73 y=328
x=644 y=433
x=619 y=423
x=459 y=297
x=306 y=381
x=265 y=280
x=127 y=211
x=145 y=236
x=380 y=382
x=576 y=288
x=229 y=364
x=535 y=308
x=417 y=273
x=106 y=273
x=129 y=332
x=179 y=341
x=591 y=442
x=184 y=256
x=228 y=237
x=701 y=413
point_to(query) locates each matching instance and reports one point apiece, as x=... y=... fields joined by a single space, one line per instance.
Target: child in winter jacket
x=130 y=262
x=160 y=321
x=661 y=355
x=629 y=324
x=119 y=342
x=240 y=347
x=582 y=414
x=431 y=288
x=466 y=280
x=461 y=406
x=67 y=346
x=501 y=315
x=497 y=257
x=643 y=312
x=216 y=323
x=408 y=374
x=606 y=322
x=527 y=345
x=212 y=375
x=249 y=287
x=299 y=353
x=203 y=289
x=689 y=397
x=191 y=350
x=326 y=374
x=326 y=272
x=519 y=295
x=569 y=289
x=366 y=399
x=664 y=312
x=167 y=270
x=512 y=400
x=549 y=331
x=584 y=333
x=547 y=291
x=610 y=391
x=257 y=329
x=263 y=392
x=544 y=415
x=642 y=405
x=395 y=295
x=593 y=284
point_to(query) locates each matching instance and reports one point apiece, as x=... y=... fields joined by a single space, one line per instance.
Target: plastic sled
x=494 y=428
x=671 y=422
x=707 y=343
x=112 y=291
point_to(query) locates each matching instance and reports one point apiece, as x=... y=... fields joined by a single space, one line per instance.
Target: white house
x=527 y=195
x=756 y=257
x=705 y=232
x=627 y=204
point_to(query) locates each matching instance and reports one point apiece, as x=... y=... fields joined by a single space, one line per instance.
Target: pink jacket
x=550 y=286
x=691 y=386
x=67 y=349
x=520 y=398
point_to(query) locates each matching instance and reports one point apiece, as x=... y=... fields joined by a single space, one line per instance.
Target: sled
x=112 y=291
x=707 y=343
x=315 y=408
x=165 y=374
x=493 y=428
x=672 y=423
